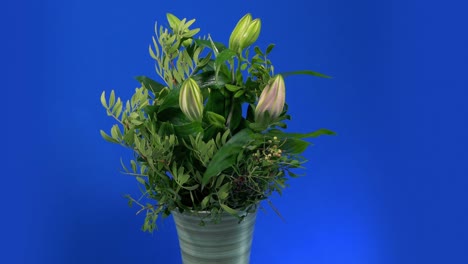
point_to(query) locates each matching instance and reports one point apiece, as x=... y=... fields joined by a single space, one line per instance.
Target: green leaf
x=223 y=192
x=171 y=100
x=215 y=119
x=257 y=127
x=183 y=178
x=243 y=66
x=317 y=133
x=136 y=122
x=189 y=23
x=220 y=180
x=206 y=43
x=191 y=188
x=156 y=48
x=151 y=52
x=269 y=48
x=141 y=180
x=115 y=132
x=103 y=99
x=226 y=155
x=173 y=115
x=204 y=61
x=293 y=141
x=216 y=102
x=236 y=117
x=239 y=93
x=205 y=201
x=208 y=80
x=129 y=136
x=173 y=21
x=150 y=84
x=112 y=99
x=258 y=51
x=108 y=138
x=151 y=109
x=134 y=166
x=189 y=129
x=229 y=210
x=222 y=57
x=232 y=88
x=304 y=72
x=295 y=146
x=117 y=110
x=165 y=128
x=123 y=165
x=192 y=32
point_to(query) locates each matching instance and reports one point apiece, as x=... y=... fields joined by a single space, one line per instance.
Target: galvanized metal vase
x=227 y=242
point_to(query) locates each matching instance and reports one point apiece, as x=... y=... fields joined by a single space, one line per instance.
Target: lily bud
x=251 y=34
x=191 y=100
x=271 y=100
x=239 y=32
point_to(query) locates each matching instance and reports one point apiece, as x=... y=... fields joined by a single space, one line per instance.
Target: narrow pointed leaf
x=305 y=72
x=229 y=210
x=317 y=133
x=108 y=138
x=103 y=99
x=269 y=48
x=112 y=98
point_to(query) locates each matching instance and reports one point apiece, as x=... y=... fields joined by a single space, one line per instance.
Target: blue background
x=391 y=188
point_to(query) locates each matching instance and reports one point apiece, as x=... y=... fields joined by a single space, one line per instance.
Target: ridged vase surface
x=226 y=242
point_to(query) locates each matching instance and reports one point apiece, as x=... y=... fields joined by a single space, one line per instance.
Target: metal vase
x=227 y=242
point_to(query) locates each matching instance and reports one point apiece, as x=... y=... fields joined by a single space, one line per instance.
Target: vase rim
x=251 y=210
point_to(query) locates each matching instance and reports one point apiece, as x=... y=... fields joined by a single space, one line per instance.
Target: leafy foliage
x=224 y=162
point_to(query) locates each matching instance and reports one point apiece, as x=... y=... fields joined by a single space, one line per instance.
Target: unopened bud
x=271 y=100
x=251 y=34
x=191 y=100
x=245 y=33
x=238 y=32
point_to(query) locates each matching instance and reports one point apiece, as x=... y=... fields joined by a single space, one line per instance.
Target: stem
x=134 y=174
x=228 y=121
x=116 y=118
x=231 y=63
x=135 y=201
x=233 y=78
x=146 y=208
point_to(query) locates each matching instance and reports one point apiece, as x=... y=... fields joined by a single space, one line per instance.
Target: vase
x=226 y=242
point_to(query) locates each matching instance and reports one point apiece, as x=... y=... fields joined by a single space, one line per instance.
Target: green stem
x=231 y=63
x=228 y=120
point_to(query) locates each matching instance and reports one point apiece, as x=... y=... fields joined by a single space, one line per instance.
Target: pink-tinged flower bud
x=238 y=33
x=251 y=34
x=191 y=100
x=271 y=100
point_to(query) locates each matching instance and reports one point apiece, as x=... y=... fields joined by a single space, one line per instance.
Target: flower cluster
x=270 y=152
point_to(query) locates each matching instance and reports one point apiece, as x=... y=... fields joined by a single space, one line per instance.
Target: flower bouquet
x=209 y=136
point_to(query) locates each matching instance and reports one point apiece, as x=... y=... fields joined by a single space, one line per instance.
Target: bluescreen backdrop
x=390 y=188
